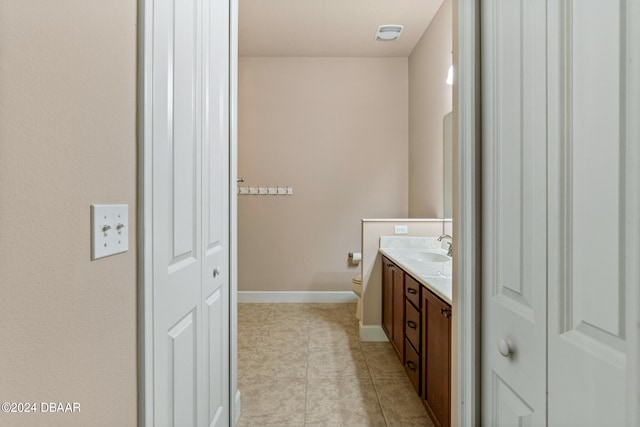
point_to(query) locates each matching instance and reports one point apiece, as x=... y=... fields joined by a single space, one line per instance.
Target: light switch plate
x=109 y=230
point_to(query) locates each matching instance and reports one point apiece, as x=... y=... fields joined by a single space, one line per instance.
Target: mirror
x=448 y=165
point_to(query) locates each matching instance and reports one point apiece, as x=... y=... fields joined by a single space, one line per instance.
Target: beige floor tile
x=304 y=364
x=249 y=336
x=246 y=307
x=251 y=322
x=382 y=360
x=286 y=328
x=283 y=337
x=273 y=403
x=331 y=306
x=247 y=347
x=289 y=309
x=337 y=361
x=260 y=423
x=346 y=311
x=287 y=319
x=322 y=321
x=252 y=314
x=334 y=335
x=400 y=403
x=342 y=401
x=274 y=348
x=270 y=362
x=245 y=358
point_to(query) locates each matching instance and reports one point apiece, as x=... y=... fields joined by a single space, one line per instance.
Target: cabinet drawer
x=412 y=324
x=412 y=290
x=412 y=365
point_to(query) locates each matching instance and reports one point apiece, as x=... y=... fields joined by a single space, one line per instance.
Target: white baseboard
x=372 y=333
x=286 y=296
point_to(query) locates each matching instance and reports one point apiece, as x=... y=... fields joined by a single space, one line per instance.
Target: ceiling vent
x=388 y=33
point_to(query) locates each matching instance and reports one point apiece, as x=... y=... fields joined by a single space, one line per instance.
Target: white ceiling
x=330 y=27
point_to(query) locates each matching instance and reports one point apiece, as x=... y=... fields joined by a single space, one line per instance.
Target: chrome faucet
x=446 y=236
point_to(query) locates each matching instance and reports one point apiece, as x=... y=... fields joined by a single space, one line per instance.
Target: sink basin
x=425 y=263
x=430 y=264
x=425 y=256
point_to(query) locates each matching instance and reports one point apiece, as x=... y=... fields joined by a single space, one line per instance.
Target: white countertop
x=412 y=256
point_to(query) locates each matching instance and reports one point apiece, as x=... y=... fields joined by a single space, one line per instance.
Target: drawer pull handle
x=412 y=366
x=412 y=291
x=446 y=312
x=411 y=324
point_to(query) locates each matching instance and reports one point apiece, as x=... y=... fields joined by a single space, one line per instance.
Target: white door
x=514 y=213
x=588 y=167
x=190 y=213
x=558 y=218
x=215 y=212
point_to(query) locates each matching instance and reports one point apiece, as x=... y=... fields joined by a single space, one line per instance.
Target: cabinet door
x=436 y=361
x=398 y=311
x=387 y=298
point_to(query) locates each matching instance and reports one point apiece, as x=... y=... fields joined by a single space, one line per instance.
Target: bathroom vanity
x=416 y=316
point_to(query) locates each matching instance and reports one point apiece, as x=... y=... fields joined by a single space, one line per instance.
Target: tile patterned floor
x=304 y=365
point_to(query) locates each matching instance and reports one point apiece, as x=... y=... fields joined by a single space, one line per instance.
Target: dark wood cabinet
x=393 y=305
x=387 y=298
x=418 y=325
x=398 y=311
x=436 y=359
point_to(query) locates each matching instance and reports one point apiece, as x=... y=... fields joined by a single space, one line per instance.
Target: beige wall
x=334 y=129
x=430 y=98
x=67 y=139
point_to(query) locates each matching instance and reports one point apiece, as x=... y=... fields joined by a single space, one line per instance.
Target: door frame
x=467 y=291
x=145 y=213
x=467 y=285
x=632 y=226
x=234 y=393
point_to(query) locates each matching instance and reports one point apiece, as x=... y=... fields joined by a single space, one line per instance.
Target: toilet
x=356 y=287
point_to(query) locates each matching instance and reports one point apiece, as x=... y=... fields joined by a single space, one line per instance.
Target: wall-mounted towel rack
x=265 y=191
